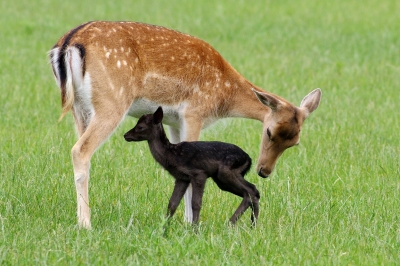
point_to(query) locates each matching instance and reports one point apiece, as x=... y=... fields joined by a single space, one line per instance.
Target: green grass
x=333 y=200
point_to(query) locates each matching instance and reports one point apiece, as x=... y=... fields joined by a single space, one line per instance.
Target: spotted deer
x=107 y=70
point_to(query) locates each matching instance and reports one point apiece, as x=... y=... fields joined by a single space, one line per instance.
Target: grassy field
x=332 y=200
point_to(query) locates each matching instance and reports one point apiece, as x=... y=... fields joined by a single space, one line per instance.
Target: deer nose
x=260 y=173
x=126 y=136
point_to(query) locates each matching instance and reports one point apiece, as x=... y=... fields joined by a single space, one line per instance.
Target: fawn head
x=282 y=126
x=146 y=127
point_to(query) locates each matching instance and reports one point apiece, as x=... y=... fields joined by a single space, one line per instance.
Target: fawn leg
x=175 y=137
x=198 y=184
x=254 y=204
x=179 y=190
x=246 y=202
x=255 y=210
x=190 y=131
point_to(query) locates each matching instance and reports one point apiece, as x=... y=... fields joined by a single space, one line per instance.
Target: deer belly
x=172 y=113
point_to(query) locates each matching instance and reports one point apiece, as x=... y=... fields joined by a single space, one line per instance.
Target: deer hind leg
x=99 y=128
x=251 y=198
x=236 y=184
x=244 y=205
x=254 y=205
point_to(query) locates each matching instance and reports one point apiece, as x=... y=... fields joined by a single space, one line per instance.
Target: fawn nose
x=126 y=136
x=262 y=174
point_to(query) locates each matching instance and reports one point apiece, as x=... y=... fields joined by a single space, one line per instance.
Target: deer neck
x=245 y=103
x=159 y=146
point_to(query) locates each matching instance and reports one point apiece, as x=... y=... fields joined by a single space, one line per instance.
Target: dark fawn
x=193 y=162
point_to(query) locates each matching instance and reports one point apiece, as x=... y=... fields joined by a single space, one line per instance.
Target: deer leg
x=176 y=138
x=99 y=129
x=255 y=198
x=198 y=184
x=177 y=195
x=255 y=210
x=174 y=135
x=250 y=199
x=190 y=131
x=236 y=184
x=246 y=202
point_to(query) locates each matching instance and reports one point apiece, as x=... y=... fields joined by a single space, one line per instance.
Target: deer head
x=282 y=126
x=145 y=128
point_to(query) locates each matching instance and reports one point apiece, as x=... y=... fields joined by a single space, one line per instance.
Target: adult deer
x=107 y=70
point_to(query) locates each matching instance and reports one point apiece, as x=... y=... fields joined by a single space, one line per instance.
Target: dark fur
x=193 y=162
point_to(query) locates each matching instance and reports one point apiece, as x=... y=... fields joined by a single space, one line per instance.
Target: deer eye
x=139 y=128
x=269 y=133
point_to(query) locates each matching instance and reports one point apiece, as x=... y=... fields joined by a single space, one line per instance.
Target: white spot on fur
x=110 y=83
x=227 y=84
x=107 y=54
x=118 y=64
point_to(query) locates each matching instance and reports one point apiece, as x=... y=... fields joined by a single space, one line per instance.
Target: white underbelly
x=173 y=114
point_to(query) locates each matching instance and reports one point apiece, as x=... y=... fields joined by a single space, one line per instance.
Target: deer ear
x=267 y=100
x=311 y=102
x=158 y=115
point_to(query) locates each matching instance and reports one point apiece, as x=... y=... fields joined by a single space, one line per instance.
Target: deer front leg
x=179 y=189
x=190 y=131
x=174 y=135
x=176 y=138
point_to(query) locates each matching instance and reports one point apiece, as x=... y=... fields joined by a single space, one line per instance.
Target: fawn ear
x=267 y=100
x=311 y=102
x=158 y=115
